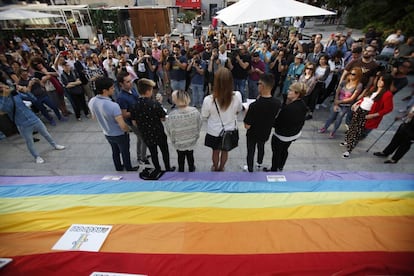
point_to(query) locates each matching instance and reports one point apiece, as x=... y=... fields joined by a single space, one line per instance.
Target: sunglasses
x=310 y=68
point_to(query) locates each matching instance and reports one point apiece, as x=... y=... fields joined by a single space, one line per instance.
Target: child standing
x=183 y=126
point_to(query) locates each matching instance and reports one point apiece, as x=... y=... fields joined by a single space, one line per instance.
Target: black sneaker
x=133 y=169
x=380 y=154
x=143 y=162
x=171 y=169
x=36 y=139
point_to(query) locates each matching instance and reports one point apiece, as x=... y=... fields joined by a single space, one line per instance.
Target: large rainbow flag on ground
x=314 y=223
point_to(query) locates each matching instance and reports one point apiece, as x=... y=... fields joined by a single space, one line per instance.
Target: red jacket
x=383 y=106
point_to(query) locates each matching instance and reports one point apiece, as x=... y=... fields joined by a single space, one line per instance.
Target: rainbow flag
x=314 y=223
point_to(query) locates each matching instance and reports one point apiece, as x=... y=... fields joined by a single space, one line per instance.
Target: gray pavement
x=87 y=151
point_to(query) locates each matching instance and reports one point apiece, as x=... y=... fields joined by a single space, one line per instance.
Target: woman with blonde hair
x=220 y=110
x=288 y=125
x=345 y=96
x=183 y=126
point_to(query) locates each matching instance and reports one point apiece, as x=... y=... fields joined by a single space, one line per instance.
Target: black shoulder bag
x=229 y=138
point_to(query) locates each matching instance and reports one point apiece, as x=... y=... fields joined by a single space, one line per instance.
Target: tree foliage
x=384 y=15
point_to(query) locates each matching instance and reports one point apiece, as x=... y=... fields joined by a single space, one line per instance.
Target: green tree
x=384 y=15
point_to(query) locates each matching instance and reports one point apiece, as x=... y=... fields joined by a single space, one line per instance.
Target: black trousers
x=182 y=155
x=79 y=104
x=165 y=154
x=251 y=148
x=400 y=143
x=280 y=153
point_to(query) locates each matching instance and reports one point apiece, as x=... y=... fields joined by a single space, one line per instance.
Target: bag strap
x=218 y=111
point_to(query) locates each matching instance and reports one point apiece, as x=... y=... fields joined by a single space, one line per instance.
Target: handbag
x=229 y=138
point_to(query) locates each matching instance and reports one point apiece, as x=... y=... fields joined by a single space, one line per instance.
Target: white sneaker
x=39 y=160
x=59 y=147
x=245 y=168
x=343 y=144
x=345 y=154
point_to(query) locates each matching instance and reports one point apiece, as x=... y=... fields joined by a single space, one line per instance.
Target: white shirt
x=110 y=70
x=368 y=102
x=229 y=116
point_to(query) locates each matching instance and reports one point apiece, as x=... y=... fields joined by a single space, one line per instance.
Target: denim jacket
x=23 y=116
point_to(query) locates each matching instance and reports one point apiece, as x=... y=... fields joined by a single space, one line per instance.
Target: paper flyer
x=4 y=261
x=114 y=274
x=112 y=177
x=247 y=103
x=276 y=178
x=83 y=237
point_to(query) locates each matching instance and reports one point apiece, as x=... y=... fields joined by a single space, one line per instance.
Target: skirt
x=213 y=142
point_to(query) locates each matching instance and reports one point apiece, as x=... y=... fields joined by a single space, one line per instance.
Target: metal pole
x=381 y=135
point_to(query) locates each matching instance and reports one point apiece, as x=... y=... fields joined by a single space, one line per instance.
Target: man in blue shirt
x=127 y=99
x=26 y=121
x=110 y=119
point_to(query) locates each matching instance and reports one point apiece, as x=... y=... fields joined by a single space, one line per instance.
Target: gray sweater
x=183 y=126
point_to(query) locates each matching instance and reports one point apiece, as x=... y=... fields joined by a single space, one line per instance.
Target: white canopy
x=246 y=11
x=18 y=14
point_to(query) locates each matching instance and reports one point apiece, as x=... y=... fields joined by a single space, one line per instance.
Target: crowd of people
x=126 y=84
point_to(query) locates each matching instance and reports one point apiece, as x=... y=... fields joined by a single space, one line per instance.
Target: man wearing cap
x=109 y=116
x=147 y=115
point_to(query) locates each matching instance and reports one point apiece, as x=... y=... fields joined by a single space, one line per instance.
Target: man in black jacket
x=259 y=120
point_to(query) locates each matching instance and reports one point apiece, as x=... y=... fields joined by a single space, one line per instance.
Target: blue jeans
x=27 y=134
x=48 y=101
x=141 y=146
x=120 y=147
x=198 y=94
x=253 y=91
x=337 y=117
x=240 y=85
x=177 y=85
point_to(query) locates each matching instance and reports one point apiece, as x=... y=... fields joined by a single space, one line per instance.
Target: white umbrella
x=246 y=11
x=18 y=14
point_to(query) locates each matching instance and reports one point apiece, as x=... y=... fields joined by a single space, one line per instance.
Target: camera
x=170 y=58
x=235 y=52
x=395 y=62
